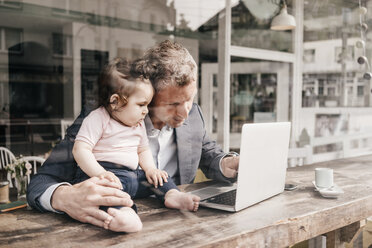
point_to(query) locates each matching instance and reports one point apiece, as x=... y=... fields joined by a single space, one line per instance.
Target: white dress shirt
x=164 y=148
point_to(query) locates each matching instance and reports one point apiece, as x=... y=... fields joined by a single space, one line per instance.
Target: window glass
x=336 y=92
x=332 y=76
x=250 y=24
x=52 y=55
x=11 y=4
x=259 y=92
x=52 y=52
x=60 y=4
x=13 y=38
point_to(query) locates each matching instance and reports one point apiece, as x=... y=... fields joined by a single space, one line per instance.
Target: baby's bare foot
x=179 y=200
x=123 y=220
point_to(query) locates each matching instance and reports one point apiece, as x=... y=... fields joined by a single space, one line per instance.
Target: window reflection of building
x=254 y=93
x=309 y=56
x=249 y=29
x=330 y=125
x=10 y=4
x=36 y=96
x=331 y=73
x=254 y=83
x=349 y=54
x=62 y=44
x=80 y=36
x=333 y=38
x=10 y=37
x=322 y=90
x=92 y=62
x=79 y=32
x=327 y=125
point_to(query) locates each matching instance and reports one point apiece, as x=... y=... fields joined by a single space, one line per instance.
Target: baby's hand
x=156 y=177
x=111 y=177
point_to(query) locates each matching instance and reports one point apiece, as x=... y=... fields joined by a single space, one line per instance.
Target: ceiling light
x=283 y=21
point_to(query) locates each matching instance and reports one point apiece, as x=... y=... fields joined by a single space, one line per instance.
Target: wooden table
x=280 y=221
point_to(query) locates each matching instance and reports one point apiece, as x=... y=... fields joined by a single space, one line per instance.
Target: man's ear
x=114 y=101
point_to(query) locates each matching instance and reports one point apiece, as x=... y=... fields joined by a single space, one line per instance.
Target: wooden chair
x=300 y=156
x=35 y=162
x=6 y=157
x=64 y=125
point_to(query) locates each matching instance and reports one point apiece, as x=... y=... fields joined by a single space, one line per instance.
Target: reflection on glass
x=253 y=98
x=332 y=77
x=50 y=57
x=334 y=89
x=259 y=92
x=250 y=24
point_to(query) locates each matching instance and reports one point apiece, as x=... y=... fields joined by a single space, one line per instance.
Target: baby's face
x=135 y=110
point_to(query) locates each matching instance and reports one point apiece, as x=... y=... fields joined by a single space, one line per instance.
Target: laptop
x=262 y=169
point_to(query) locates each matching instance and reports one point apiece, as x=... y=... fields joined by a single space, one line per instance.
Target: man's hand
x=229 y=166
x=156 y=176
x=81 y=201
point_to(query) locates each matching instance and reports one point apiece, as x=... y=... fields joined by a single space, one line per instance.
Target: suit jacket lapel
x=184 y=152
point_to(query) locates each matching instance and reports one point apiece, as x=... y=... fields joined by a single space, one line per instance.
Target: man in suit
x=177 y=137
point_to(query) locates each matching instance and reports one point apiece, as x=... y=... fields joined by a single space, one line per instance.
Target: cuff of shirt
x=230 y=154
x=46 y=197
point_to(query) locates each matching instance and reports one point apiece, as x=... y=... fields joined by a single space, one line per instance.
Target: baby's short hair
x=118 y=78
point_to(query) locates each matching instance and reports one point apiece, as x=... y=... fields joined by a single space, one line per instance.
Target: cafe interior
x=300 y=61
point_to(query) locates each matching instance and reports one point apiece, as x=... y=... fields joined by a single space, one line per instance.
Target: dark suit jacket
x=194 y=150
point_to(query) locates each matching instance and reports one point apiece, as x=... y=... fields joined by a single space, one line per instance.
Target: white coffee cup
x=323 y=177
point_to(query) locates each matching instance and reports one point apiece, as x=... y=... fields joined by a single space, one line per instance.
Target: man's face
x=172 y=105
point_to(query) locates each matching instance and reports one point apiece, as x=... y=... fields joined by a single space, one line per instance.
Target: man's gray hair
x=167 y=63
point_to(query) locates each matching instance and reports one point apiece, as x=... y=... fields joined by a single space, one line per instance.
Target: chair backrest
x=300 y=156
x=6 y=157
x=35 y=163
x=64 y=125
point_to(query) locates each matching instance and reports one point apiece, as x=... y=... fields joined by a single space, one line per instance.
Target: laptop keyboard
x=227 y=198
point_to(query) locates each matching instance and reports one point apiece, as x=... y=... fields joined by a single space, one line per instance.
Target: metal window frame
x=226 y=50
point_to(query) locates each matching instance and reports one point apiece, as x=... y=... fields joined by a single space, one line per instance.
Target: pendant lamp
x=283 y=21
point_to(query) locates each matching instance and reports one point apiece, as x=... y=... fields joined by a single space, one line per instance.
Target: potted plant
x=19 y=172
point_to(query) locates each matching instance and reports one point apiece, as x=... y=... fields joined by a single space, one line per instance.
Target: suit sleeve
x=59 y=167
x=211 y=155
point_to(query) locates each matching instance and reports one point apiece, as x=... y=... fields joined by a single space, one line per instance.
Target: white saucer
x=332 y=192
